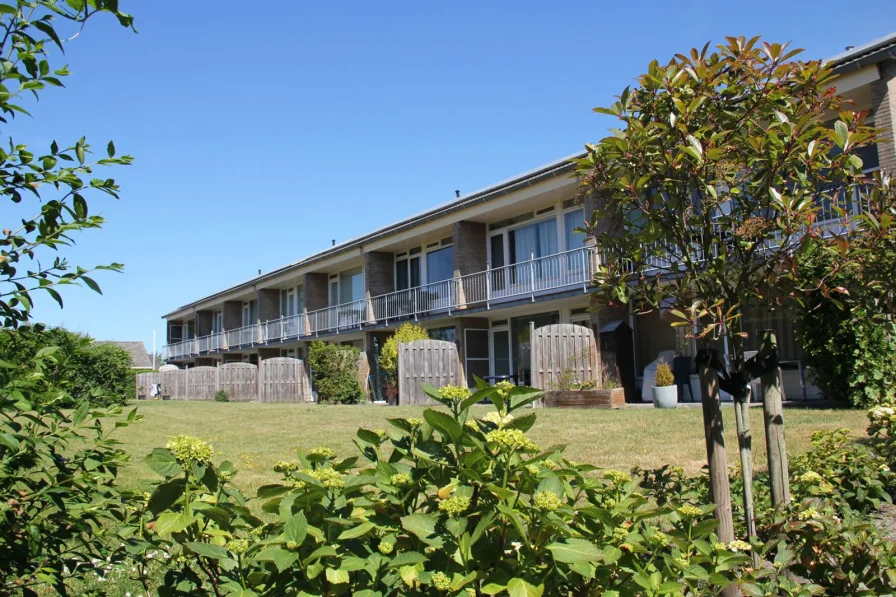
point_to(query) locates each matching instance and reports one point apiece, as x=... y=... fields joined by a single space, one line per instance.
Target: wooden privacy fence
x=563 y=348
x=276 y=380
x=433 y=362
x=281 y=379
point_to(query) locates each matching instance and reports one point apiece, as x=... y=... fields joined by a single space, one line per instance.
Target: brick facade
x=883 y=109
x=233 y=315
x=470 y=255
x=316 y=291
x=268 y=304
x=379 y=273
x=203 y=322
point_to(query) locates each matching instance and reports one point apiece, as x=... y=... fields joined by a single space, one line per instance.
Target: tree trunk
x=742 y=421
x=716 y=456
x=776 y=448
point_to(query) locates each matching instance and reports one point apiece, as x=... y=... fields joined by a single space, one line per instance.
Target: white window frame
x=491 y=348
x=562 y=226
x=556 y=215
x=250 y=312
x=217 y=322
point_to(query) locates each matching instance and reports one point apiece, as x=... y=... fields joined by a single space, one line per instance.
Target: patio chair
x=681 y=371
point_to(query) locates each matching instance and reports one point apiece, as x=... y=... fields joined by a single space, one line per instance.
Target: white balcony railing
x=528 y=279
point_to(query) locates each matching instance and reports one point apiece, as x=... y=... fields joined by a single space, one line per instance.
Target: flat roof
x=505 y=186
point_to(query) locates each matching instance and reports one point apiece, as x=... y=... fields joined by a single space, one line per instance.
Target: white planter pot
x=665 y=396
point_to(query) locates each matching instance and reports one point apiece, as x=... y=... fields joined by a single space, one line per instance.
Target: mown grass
x=254 y=436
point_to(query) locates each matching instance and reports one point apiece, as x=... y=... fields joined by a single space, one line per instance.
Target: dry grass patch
x=254 y=436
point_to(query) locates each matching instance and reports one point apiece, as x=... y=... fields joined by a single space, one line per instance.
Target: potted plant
x=665 y=393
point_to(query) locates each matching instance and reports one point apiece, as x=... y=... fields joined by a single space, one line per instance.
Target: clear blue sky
x=259 y=135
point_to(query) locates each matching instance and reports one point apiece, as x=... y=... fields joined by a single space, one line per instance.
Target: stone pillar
x=470 y=257
x=379 y=277
x=883 y=108
x=203 y=322
x=316 y=296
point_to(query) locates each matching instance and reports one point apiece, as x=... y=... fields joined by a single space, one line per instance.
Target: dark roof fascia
x=875 y=51
x=529 y=178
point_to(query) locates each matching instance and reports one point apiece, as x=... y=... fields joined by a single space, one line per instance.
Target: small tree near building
x=714 y=187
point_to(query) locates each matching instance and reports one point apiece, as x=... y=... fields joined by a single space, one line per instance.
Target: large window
x=217 y=322
x=407 y=270
x=447 y=334
x=440 y=265
x=351 y=285
x=538 y=240
x=250 y=312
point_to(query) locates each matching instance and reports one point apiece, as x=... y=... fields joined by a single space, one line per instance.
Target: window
x=447 y=334
x=440 y=265
x=407 y=272
x=217 y=322
x=175 y=332
x=289 y=302
x=250 y=312
x=538 y=240
x=476 y=355
x=351 y=285
x=571 y=221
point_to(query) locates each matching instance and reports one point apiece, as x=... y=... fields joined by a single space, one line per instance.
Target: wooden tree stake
x=716 y=456
x=776 y=448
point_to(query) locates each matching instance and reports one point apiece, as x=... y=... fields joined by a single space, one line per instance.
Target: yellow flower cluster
x=322 y=452
x=284 y=466
x=455 y=393
x=659 y=539
x=811 y=477
x=546 y=501
x=385 y=547
x=190 y=449
x=498 y=419
x=511 y=439
x=736 y=545
x=415 y=422
x=808 y=514
x=330 y=477
x=690 y=511
x=441 y=581
x=455 y=505
x=237 y=546
x=617 y=477
x=401 y=479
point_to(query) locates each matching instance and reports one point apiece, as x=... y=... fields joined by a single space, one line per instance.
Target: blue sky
x=260 y=135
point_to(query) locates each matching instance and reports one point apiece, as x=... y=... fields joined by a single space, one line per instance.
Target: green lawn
x=254 y=436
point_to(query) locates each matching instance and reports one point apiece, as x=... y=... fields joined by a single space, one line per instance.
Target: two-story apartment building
x=474 y=271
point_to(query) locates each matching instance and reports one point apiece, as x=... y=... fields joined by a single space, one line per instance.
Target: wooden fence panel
x=433 y=362
x=202 y=383
x=174 y=384
x=144 y=384
x=281 y=379
x=239 y=380
x=563 y=349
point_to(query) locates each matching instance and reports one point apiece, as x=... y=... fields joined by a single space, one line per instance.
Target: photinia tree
x=727 y=167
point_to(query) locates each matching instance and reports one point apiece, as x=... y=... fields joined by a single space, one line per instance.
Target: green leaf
x=110 y=149
x=162 y=461
x=517 y=587
x=407 y=557
x=209 y=550
x=355 y=532
x=841 y=133
x=165 y=495
x=80 y=413
x=337 y=577
x=571 y=551
x=444 y=423
x=368 y=436
x=296 y=528
x=172 y=522
x=421 y=525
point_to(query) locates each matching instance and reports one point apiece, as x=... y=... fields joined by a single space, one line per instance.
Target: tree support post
x=745 y=445
x=773 y=419
x=716 y=456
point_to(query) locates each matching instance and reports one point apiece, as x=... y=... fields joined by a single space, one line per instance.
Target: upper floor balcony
x=534 y=278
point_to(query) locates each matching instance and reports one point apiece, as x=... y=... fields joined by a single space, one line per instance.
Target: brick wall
x=379 y=273
x=470 y=253
x=883 y=108
x=233 y=315
x=268 y=304
x=203 y=322
x=316 y=296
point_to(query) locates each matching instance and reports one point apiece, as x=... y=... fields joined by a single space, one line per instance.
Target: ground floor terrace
x=493 y=341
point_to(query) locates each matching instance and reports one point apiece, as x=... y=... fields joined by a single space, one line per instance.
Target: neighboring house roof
x=140 y=359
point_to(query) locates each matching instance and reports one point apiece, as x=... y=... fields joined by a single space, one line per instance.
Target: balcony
x=532 y=279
